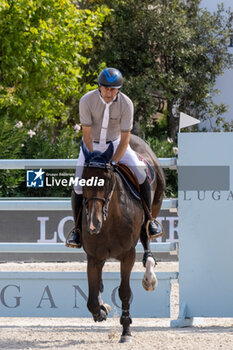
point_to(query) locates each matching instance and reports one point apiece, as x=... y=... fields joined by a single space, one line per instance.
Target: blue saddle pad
x=149 y=170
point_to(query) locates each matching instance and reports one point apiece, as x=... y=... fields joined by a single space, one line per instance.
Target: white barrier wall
x=64 y=294
x=205 y=169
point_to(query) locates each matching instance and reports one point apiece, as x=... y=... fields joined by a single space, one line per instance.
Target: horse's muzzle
x=94 y=229
x=94 y=232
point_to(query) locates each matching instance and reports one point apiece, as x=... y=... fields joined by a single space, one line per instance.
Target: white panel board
x=64 y=294
x=205 y=230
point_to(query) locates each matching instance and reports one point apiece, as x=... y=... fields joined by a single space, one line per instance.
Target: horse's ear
x=86 y=151
x=108 y=153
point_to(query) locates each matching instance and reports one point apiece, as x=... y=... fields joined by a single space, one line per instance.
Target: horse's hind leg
x=95 y=304
x=149 y=281
x=125 y=294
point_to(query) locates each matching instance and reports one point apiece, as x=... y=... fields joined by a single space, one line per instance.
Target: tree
x=170 y=52
x=43 y=44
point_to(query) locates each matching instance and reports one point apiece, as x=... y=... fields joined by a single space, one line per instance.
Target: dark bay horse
x=111 y=227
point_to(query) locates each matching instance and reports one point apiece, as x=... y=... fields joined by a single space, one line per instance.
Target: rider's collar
x=114 y=100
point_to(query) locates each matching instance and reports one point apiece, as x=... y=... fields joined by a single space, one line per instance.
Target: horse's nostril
x=92 y=227
x=94 y=232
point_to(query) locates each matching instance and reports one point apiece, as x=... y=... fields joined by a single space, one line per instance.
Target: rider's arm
x=126 y=127
x=87 y=137
x=86 y=121
x=125 y=137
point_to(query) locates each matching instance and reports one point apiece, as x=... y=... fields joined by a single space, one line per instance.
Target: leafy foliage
x=44 y=46
x=11 y=138
x=170 y=52
x=42 y=61
x=166 y=149
x=16 y=142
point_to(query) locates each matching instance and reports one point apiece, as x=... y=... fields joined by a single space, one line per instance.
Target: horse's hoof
x=151 y=283
x=102 y=316
x=106 y=308
x=126 y=339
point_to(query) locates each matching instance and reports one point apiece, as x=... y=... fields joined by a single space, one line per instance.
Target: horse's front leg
x=149 y=281
x=125 y=293
x=95 y=286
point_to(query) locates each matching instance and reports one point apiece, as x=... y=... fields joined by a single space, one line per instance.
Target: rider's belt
x=106 y=141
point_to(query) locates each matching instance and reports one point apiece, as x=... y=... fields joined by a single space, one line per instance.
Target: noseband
x=104 y=200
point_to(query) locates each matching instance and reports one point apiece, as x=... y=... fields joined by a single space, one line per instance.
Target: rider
x=106 y=115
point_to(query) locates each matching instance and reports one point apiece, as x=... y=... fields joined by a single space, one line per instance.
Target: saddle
x=131 y=181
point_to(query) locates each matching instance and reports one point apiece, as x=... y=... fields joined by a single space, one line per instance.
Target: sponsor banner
x=53 y=227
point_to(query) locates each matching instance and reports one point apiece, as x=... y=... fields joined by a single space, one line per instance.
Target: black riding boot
x=74 y=240
x=154 y=228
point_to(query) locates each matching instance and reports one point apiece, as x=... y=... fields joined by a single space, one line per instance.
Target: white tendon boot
x=150 y=281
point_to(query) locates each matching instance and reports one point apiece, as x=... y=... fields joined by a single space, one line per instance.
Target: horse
x=112 y=223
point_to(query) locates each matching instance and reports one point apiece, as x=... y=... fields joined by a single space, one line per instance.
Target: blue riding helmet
x=110 y=77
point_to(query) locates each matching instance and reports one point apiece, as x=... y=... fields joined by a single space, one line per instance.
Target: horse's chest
x=107 y=246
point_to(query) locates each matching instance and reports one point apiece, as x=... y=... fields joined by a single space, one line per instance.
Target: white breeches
x=129 y=158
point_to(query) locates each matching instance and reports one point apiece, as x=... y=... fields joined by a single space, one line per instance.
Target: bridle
x=105 y=200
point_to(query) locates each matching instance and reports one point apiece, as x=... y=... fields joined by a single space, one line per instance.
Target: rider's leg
x=75 y=240
x=154 y=228
x=138 y=167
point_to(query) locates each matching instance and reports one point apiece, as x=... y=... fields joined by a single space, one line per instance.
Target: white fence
x=56 y=204
x=170 y=163
x=164 y=247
